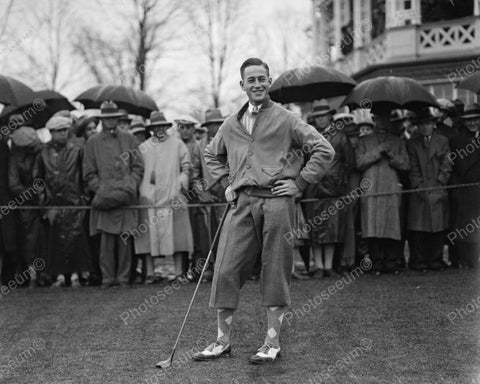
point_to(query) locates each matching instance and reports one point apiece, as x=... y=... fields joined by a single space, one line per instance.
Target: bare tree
x=144 y=29
x=216 y=31
x=45 y=47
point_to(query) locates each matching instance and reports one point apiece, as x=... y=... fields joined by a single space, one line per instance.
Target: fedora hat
x=321 y=108
x=137 y=125
x=109 y=109
x=213 y=116
x=424 y=115
x=157 y=119
x=471 y=111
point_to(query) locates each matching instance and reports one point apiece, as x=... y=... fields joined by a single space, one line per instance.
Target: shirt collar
x=251 y=107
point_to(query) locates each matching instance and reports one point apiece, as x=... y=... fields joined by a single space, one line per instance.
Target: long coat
x=168 y=230
x=25 y=192
x=7 y=216
x=60 y=166
x=380 y=216
x=465 y=202
x=333 y=184
x=113 y=169
x=430 y=167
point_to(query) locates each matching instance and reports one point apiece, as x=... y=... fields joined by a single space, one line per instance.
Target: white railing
x=450 y=36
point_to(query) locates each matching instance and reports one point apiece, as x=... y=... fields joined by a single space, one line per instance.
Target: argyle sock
x=274 y=320
x=224 y=319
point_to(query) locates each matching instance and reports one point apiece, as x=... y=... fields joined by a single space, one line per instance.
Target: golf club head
x=164 y=364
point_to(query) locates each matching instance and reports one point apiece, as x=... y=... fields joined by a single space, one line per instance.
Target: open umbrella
x=14 y=92
x=390 y=92
x=471 y=83
x=37 y=113
x=132 y=100
x=310 y=83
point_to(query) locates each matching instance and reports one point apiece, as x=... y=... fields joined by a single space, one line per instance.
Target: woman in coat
x=379 y=157
x=59 y=164
x=167 y=168
x=25 y=189
x=428 y=211
x=331 y=229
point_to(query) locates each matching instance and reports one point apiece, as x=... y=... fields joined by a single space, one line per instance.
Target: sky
x=187 y=72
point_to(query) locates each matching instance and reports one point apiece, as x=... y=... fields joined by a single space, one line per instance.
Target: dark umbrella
x=310 y=83
x=389 y=92
x=36 y=114
x=133 y=101
x=471 y=83
x=14 y=92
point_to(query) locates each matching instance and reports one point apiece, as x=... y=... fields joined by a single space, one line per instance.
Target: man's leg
x=277 y=217
x=124 y=259
x=107 y=258
x=236 y=254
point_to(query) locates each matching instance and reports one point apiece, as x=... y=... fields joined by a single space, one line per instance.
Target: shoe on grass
x=318 y=273
x=213 y=351
x=265 y=355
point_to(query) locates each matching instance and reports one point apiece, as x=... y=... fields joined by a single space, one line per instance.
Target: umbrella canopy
x=310 y=83
x=471 y=83
x=46 y=103
x=133 y=101
x=390 y=92
x=14 y=92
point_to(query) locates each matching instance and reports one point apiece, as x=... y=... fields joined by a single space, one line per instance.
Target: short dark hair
x=253 y=61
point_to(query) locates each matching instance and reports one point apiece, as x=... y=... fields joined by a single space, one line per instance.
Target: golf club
x=167 y=363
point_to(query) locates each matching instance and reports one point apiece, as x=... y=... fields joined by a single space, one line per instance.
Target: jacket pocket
x=272 y=171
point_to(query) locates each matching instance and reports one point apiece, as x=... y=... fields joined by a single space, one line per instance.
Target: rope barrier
x=14 y=206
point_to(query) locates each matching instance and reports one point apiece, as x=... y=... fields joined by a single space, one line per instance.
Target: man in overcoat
x=428 y=211
x=257 y=156
x=113 y=170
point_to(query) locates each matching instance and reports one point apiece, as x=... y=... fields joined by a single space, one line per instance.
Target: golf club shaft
x=217 y=234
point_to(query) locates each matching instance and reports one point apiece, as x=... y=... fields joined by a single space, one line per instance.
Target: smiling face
x=255 y=83
x=472 y=124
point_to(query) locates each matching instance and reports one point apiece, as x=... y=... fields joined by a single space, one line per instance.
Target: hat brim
x=138 y=129
x=59 y=128
x=109 y=115
x=471 y=115
x=150 y=126
x=422 y=120
x=123 y=118
x=323 y=113
x=214 y=121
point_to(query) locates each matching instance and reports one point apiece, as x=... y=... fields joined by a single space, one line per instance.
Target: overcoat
x=168 y=229
x=331 y=227
x=380 y=216
x=7 y=217
x=112 y=170
x=430 y=167
x=25 y=191
x=60 y=166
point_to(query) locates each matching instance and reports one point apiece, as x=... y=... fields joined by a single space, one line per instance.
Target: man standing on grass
x=253 y=156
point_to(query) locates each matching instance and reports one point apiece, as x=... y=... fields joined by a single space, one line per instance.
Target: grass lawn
x=410 y=328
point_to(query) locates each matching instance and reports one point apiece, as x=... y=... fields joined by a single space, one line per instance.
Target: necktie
x=255 y=111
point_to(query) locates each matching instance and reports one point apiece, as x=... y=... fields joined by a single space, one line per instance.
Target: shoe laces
x=265 y=348
x=214 y=345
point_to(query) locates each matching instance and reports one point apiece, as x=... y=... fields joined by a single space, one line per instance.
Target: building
x=434 y=42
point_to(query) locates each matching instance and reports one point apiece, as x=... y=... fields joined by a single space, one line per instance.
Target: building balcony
x=453 y=38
